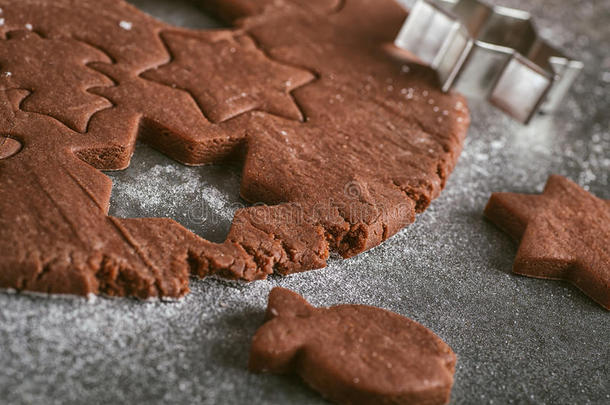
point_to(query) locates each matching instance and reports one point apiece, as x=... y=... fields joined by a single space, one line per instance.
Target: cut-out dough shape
x=564 y=234
x=344 y=142
x=30 y=62
x=231 y=91
x=353 y=354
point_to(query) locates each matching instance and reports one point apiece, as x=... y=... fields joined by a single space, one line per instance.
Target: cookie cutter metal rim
x=491 y=52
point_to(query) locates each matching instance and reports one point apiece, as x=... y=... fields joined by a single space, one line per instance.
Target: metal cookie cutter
x=489 y=52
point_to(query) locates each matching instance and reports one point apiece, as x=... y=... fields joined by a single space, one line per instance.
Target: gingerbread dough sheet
x=361 y=139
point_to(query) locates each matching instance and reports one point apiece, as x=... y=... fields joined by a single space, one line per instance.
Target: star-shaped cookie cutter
x=489 y=52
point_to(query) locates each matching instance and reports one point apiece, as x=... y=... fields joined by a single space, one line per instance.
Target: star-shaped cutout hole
x=228 y=75
x=564 y=234
x=203 y=199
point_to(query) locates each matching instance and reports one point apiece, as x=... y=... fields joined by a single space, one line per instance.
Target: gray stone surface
x=518 y=340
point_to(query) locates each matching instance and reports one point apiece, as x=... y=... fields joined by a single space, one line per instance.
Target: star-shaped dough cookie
x=564 y=234
x=229 y=75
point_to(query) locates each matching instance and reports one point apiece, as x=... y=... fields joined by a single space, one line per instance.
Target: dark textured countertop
x=517 y=339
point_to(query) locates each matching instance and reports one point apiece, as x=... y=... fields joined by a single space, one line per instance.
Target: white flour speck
x=126 y=25
x=1 y=22
x=28 y=26
x=497 y=145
